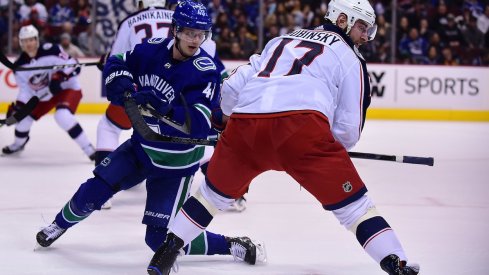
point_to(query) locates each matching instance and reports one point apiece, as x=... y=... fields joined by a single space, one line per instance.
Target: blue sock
x=89 y=197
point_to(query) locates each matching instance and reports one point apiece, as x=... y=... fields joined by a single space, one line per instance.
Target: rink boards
x=398 y=91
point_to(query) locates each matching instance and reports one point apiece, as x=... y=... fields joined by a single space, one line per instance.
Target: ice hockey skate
x=393 y=266
x=49 y=234
x=13 y=148
x=107 y=205
x=246 y=250
x=166 y=256
x=239 y=205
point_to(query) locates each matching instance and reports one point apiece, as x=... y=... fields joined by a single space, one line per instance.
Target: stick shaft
x=403 y=159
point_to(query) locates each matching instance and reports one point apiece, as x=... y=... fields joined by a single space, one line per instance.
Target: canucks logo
x=156 y=40
x=204 y=64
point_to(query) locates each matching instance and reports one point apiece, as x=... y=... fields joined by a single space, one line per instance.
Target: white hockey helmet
x=354 y=9
x=28 y=31
x=153 y=3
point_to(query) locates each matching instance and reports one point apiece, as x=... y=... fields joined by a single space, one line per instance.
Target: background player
x=172 y=76
x=55 y=89
x=297 y=108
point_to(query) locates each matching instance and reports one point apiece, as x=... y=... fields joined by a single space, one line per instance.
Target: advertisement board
x=398 y=91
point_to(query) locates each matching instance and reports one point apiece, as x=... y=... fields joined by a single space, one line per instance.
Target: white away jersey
x=303 y=70
x=36 y=83
x=145 y=24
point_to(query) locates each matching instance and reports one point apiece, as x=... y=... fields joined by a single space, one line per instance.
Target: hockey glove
x=55 y=83
x=13 y=108
x=218 y=119
x=102 y=61
x=149 y=96
x=117 y=84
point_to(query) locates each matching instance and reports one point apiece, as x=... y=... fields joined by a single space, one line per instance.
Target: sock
x=67 y=121
x=378 y=239
x=89 y=197
x=208 y=243
x=188 y=227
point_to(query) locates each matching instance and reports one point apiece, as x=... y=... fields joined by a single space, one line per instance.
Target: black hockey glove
x=13 y=108
x=102 y=61
x=117 y=84
x=55 y=84
x=150 y=96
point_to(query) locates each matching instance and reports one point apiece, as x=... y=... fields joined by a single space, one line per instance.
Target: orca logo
x=105 y=162
x=204 y=64
x=156 y=40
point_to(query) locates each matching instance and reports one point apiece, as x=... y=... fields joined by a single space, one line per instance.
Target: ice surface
x=440 y=213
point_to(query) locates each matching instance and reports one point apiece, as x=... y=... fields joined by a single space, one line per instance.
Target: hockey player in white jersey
x=297 y=108
x=57 y=89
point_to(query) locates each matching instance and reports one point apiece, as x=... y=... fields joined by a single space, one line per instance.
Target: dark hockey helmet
x=192 y=15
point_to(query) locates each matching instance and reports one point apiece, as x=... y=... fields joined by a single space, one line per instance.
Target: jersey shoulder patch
x=204 y=63
x=156 y=40
x=47 y=46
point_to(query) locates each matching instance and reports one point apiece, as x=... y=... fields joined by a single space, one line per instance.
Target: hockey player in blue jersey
x=176 y=79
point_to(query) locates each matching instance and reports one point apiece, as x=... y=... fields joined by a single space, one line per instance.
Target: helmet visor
x=193 y=35
x=371 y=32
x=366 y=28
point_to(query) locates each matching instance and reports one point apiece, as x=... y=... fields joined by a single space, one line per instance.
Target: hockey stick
x=145 y=131
x=403 y=159
x=138 y=123
x=22 y=113
x=5 y=61
x=185 y=128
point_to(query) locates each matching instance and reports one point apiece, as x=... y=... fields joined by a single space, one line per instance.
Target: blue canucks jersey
x=190 y=86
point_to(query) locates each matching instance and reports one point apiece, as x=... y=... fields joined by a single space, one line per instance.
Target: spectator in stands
x=61 y=13
x=439 y=18
x=424 y=28
x=236 y=52
x=413 y=47
x=69 y=47
x=483 y=20
x=402 y=28
x=33 y=13
x=272 y=32
x=448 y=58
x=433 y=57
x=435 y=40
x=246 y=42
x=82 y=11
x=224 y=41
x=474 y=6
x=222 y=22
x=473 y=36
x=451 y=34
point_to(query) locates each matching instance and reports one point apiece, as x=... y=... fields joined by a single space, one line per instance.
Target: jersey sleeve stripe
x=361 y=101
x=205 y=111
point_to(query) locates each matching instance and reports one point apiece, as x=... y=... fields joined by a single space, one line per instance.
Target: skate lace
x=238 y=251
x=53 y=231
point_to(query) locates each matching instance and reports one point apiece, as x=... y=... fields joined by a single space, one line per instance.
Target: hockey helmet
x=28 y=31
x=192 y=15
x=354 y=10
x=153 y=3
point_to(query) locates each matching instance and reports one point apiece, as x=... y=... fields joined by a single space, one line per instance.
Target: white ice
x=440 y=213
